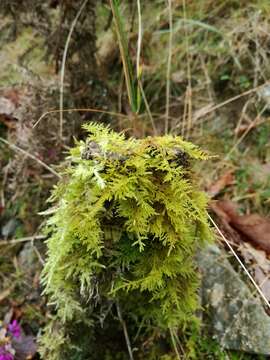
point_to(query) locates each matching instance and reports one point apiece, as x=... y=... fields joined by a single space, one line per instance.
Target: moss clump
x=122 y=238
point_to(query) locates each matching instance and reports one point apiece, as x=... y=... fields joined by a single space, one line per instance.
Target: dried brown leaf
x=7 y=107
x=223 y=221
x=253 y=228
x=225 y=180
x=258 y=264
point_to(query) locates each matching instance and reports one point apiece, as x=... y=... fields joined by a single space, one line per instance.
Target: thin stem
x=174 y=344
x=168 y=75
x=147 y=107
x=234 y=98
x=17 y=148
x=189 y=88
x=21 y=240
x=64 y=59
x=80 y=110
x=123 y=47
x=139 y=42
x=119 y=313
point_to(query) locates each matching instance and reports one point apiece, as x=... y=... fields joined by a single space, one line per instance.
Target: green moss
x=123 y=235
x=27 y=51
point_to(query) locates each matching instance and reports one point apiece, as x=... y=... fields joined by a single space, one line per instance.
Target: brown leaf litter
x=225 y=180
x=252 y=228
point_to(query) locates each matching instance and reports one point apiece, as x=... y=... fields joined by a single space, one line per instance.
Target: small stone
x=232 y=314
x=9 y=228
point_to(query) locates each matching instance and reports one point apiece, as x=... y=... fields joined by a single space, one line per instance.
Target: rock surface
x=234 y=316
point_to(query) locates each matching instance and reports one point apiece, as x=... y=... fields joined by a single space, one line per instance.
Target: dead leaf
x=7 y=107
x=258 y=264
x=254 y=256
x=247 y=231
x=263 y=281
x=225 y=180
x=256 y=228
x=223 y=222
x=7 y=110
x=253 y=228
x=14 y=95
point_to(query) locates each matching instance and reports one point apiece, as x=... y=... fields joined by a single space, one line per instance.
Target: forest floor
x=204 y=69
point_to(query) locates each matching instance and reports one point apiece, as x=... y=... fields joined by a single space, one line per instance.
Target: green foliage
x=123 y=235
x=132 y=89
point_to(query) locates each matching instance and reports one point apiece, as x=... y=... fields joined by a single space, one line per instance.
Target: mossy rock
x=129 y=219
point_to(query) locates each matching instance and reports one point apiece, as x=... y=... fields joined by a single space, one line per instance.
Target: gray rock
x=9 y=228
x=27 y=260
x=234 y=316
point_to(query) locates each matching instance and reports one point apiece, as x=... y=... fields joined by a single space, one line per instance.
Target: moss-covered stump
x=120 y=271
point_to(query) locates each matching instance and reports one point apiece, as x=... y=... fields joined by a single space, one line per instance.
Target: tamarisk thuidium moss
x=122 y=236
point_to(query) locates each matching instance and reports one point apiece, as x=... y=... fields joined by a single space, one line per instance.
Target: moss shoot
x=120 y=273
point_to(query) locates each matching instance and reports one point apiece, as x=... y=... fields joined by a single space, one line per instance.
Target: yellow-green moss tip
x=128 y=222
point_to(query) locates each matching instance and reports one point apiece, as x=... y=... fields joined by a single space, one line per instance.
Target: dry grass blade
x=139 y=42
x=148 y=108
x=188 y=98
x=17 y=148
x=5 y=293
x=119 y=313
x=123 y=46
x=64 y=65
x=22 y=240
x=234 y=98
x=169 y=63
x=173 y=336
x=252 y=125
x=78 y=110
